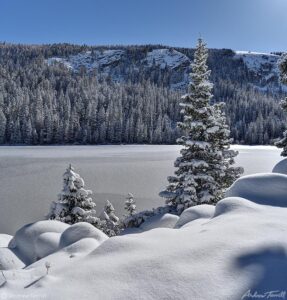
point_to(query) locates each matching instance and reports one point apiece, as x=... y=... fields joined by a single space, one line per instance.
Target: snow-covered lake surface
x=31 y=177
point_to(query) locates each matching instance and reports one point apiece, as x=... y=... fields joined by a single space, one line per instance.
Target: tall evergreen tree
x=283 y=76
x=225 y=173
x=203 y=169
x=2 y=126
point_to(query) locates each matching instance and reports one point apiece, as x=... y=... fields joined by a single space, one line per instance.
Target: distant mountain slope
x=89 y=60
x=64 y=93
x=262 y=66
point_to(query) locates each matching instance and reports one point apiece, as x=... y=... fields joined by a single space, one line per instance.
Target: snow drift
x=281 y=167
x=225 y=252
x=35 y=241
x=265 y=188
x=203 y=211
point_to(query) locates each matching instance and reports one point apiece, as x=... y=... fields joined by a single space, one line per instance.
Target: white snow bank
x=81 y=230
x=160 y=221
x=40 y=239
x=242 y=248
x=9 y=260
x=235 y=205
x=204 y=211
x=262 y=188
x=25 y=238
x=47 y=243
x=281 y=167
x=58 y=260
x=5 y=240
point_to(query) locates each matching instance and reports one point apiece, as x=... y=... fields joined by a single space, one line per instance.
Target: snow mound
x=238 y=251
x=160 y=221
x=83 y=246
x=203 y=211
x=25 y=238
x=79 y=231
x=244 y=245
x=262 y=188
x=41 y=239
x=234 y=205
x=47 y=243
x=9 y=260
x=166 y=58
x=5 y=240
x=281 y=167
x=59 y=259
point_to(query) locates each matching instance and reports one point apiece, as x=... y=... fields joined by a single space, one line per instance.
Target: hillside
x=261 y=67
x=128 y=94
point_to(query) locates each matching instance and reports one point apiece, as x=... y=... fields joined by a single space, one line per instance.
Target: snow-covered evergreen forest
x=56 y=94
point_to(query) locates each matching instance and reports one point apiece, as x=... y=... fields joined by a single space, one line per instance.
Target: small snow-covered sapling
x=48 y=266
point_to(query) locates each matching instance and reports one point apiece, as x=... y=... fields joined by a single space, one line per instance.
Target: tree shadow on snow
x=2 y=284
x=34 y=282
x=269 y=268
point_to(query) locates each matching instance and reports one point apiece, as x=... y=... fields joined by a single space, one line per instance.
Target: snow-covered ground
x=235 y=250
x=31 y=177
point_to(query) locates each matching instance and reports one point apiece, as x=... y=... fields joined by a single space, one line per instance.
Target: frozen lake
x=31 y=176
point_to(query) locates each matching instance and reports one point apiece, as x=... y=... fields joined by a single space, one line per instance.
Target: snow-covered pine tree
x=283 y=77
x=110 y=211
x=110 y=223
x=132 y=218
x=203 y=169
x=224 y=171
x=130 y=205
x=74 y=202
x=2 y=126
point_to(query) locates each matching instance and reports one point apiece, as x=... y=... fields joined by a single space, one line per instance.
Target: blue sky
x=256 y=25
